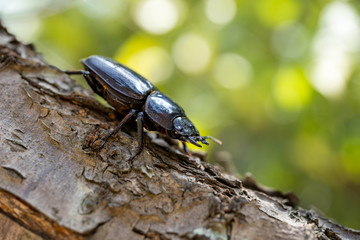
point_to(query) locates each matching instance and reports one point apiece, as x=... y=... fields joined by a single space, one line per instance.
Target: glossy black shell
x=125 y=89
x=162 y=110
x=116 y=83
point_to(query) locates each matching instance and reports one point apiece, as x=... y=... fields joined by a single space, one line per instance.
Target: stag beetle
x=128 y=91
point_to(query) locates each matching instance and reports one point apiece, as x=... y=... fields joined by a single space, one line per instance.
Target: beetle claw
x=195 y=139
x=202 y=140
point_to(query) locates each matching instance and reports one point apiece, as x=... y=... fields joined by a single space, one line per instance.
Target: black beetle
x=126 y=90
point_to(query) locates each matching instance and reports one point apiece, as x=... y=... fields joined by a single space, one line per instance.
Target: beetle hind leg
x=123 y=121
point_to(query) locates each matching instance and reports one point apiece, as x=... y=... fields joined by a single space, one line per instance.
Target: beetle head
x=185 y=131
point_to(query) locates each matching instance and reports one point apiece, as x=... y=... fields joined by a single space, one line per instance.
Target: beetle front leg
x=140 y=132
x=186 y=149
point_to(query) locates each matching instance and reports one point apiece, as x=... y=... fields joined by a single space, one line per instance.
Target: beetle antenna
x=214 y=139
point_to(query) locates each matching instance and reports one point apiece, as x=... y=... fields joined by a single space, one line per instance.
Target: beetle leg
x=140 y=131
x=77 y=72
x=186 y=149
x=125 y=119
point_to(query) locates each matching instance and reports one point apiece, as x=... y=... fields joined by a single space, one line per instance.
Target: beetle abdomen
x=118 y=77
x=160 y=109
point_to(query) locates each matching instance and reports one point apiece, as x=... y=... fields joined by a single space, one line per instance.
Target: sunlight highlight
x=192 y=53
x=220 y=11
x=274 y=12
x=291 y=89
x=154 y=63
x=232 y=71
x=156 y=16
x=336 y=41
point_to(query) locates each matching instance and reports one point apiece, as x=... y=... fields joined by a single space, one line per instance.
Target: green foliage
x=276 y=80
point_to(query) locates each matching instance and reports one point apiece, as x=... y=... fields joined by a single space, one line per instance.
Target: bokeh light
x=192 y=53
x=291 y=89
x=154 y=63
x=156 y=16
x=274 y=12
x=232 y=71
x=335 y=42
x=14 y=13
x=220 y=11
x=290 y=40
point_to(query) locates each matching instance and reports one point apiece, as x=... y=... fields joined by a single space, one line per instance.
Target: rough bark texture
x=52 y=186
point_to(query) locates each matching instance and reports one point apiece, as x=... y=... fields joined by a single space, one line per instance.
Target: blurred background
x=277 y=81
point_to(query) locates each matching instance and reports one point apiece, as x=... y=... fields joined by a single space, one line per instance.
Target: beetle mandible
x=128 y=91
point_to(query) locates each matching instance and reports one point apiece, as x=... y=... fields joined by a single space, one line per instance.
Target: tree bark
x=54 y=186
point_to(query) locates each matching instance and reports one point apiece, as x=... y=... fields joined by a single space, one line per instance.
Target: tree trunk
x=54 y=186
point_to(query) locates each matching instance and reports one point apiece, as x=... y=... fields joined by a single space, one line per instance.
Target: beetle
x=129 y=92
